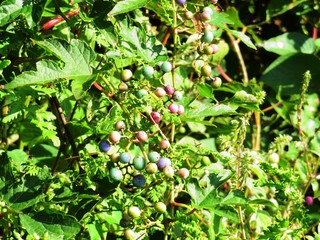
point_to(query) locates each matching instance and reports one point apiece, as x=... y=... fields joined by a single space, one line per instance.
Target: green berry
x=177 y=96
x=139 y=163
x=166 y=66
x=116 y=174
x=206 y=70
x=160 y=207
x=148 y=72
x=125 y=157
x=151 y=168
x=126 y=75
x=207 y=37
x=154 y=157
x=216 y=82
x=134 y=212
x=129 y=234
x=141 y=93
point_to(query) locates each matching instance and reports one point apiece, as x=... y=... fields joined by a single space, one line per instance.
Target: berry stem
x=314 y=33
x=223 y=73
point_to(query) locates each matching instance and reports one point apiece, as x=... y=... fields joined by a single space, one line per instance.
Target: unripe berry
x=139 y=163
x=274 y=157
x=207 y=36
x=129 y=234
x=148 y=72
x=151 y=168
x=116 y=174
x=208 y=10
x=141 y=93
x=142 y=136
x=115 y=157
x=125 y=157
x=173 y=108
x=120 y=125
x=123 y=86
x=139 y=181
x=205 y=16
x=183 y=173
x=177 y=96
x=164 y=144
x=188 y=15
x=154 y=157
x=206 y=70
x=104 y=146
x=169 y=89
x=126 y=75
x=166 y=66
x=163 y=162
x=160 y=92
x=155 y=117
x=168 y=171
x=215 y=48
x=205 y=160
x=114 y=137
x=134 y=212
x=180 y=109
x=160 y=207
x=216 y=82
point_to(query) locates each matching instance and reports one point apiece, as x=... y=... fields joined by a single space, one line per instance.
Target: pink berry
x=155 y=117
x=169 y=89
x=183 y=173
x=160 y=92
x=206 y=16
x=180 y=109
x=309 y=200
x=173 y=108
x=164 y=144
x=142 y=136
x=215 y=48
x=114 y=137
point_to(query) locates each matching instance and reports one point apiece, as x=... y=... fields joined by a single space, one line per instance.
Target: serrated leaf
x=55 y=224
x=205 y=91
x=11 y=9
x=289 y=43
x=127 y=6
x=77 y=57
x=234 y=197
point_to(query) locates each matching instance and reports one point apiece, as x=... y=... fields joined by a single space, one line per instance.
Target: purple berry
x=173 y=108
x=139 y=181
x=309 y=200
x=163 y=162
x=181 y=2
x=104 y=146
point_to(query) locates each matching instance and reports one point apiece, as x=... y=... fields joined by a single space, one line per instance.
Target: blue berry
x=139 y=181
x=104 y=146
x=125 y=157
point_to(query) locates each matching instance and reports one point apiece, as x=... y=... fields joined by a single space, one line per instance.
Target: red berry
x=142 y=136
x=309 y=200
x=155 y=117
x=173 y=108
x=169 y=89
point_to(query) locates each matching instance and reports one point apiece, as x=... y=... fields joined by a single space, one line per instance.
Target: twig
x=223 y=74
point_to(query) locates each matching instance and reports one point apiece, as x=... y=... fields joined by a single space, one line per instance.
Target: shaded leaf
x=55 y=224
x=127 y=6
x=276 y=7
x=10 y=9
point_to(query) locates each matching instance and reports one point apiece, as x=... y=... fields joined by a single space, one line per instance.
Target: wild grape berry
x=142 y=136
x=208 y=10
x=169 y=89
x=153 y=156
x=134 y=212
x=206 y=70
x=120 y=125
x=155 y=117
x=160 y=92
x=160 y=207
x=104 y=146
x=167 y=66
x=129 y=234
x=173 y=108
x=151 y=168
x=164 y=144
x=123 y=86
x=309 y=200
x=205 y=160
x=139 y=181
x=188 y=15
x=148 y=71
x=125 y=157
x=205 y=16
x=180 y=109
x=177 y=96
x=183 y=173
x=139 y=163
x=115 y=157
x=216 y=82
x=142 y=93
x=163 y=162
x=126 y=75
x=114 y=137
x=215 y=48
x=181 y=2
x=207 y=36
x=116 y=174
x=168 y=171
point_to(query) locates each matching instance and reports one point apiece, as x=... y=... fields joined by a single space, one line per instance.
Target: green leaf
x=234 y=197
x=289 y=43
x=27 y=191
x=204 y=193
x=205 y=90
x=127 y=6
x=276 y=7
x=287 y=71
x=234 y=17
x=216 y=58
x=3 y=64
x=77 y=57
x=10 y=9
x=244 y=38
x=55 y=224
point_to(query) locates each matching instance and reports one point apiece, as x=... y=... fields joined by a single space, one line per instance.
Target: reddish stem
x=223 y=74
x=54 y=21
x=314 y=33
